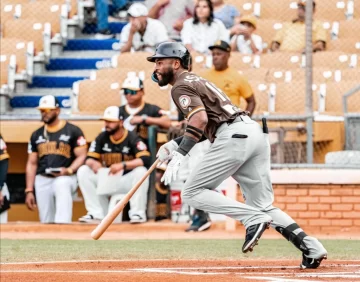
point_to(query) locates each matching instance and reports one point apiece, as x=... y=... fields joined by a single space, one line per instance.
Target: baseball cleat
x=137 y=219
x=201 y=222
x=89 y=219
x=311 y=262
x=253 y=234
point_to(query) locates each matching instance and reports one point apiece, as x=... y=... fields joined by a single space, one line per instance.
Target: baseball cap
x=303 y=3
x=133 y=83
x=111 y=113
x=220 y=44
x=249 y=19
x=48 y=102
x=138 y=10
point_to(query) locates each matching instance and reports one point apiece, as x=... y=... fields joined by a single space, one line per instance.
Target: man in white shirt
x=245 y=41
x=172 y=13
x=142 y=33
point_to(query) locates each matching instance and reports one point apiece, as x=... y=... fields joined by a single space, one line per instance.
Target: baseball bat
x=110 y=217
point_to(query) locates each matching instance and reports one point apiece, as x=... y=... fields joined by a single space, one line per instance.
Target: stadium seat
x=260 y=90
x=260 y=74
x=331 y=10
x=12 y=46
x=334 y=60
x=282 y=10
x=8 y=8
x=350 y=74
x=240 y=61
x=136 y=61
x=267 y=30
x=350 y=29
x=95 y=96
x=157 y=95
x=245 y=7
x=334 y=92
x=282 y=60
x=7 y=73
x=200 y=61
x=45 y=11
x=348 y=45
x=27 y=30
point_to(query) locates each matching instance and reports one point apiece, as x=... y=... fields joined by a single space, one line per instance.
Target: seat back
x=267 y=30
x=245 y=7
x=96 y=95
x=334 y=94
x=260 y=90
x=282 y=10
x=136 y=61
x=349 y=29
x=283 y=60
x=347 y=45
x=334 y=60
x=12 y=46
x=157 y=95
x=27 y=30
x=331 y=10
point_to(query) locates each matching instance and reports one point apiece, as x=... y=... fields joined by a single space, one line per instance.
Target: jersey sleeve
x=32 y=147
x=78 y=137
x=95 y=148
x=187 y=100
x=156 y=111
x=140 y=151
x=3 y=149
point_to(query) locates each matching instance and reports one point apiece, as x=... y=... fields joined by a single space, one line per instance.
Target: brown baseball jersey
x=192 y=93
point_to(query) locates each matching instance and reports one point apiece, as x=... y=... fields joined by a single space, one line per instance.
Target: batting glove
x=165 y=152
x=172 y=168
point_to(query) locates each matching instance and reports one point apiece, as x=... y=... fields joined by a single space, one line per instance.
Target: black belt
x=47 y=175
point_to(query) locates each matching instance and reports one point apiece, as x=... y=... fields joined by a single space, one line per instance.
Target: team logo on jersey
x=92 y=146
x=141 y=146
x=64 y=138
x=40 y=140
x=81 y=141
x=125 y=150
x=106 y=148
x=184 y=101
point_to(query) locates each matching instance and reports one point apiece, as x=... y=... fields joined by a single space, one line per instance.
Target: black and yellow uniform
x=4 y=164
x=109 y=151
x=55 y=146
x=147 y=110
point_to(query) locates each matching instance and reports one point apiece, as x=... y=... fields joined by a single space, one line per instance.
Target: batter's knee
x=83 y=171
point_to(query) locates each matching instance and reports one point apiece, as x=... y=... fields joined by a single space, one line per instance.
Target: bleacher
x=47 y=48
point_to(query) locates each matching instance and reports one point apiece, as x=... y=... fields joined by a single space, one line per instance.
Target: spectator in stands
x=203 y=30
x=4 y=192
x=244 y=40
x=56 y=151
x=102 y=14
x=226 y=13
x=117 y=159
x=292 y=36
x=172 y=13
x=142 y=33
x=234 y=86
x=137 y=114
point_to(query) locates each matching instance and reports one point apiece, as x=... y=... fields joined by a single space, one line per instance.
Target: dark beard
x=51 y=120
x=166 y=78
x=113 y=131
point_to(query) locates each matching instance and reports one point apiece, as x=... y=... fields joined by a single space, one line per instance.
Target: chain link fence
x=50 y=47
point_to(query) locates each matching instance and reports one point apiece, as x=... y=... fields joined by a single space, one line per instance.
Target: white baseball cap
x=111 y=114
x=48 y=102
x=133 y=83
x=138 y=10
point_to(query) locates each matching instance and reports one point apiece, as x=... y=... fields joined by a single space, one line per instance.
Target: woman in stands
x=203 y=30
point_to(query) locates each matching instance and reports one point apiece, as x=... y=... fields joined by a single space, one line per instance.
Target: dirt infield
x=179 y=271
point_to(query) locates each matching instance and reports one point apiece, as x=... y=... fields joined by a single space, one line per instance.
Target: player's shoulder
x=149 y=108
x=131 y=136
x=72 y=127
x=102 y=136
x=38 y=132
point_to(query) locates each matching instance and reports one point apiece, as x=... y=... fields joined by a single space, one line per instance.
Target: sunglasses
x=129 y=91
x=46 y=110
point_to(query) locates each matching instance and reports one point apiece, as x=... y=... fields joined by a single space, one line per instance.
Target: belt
x=47 y=175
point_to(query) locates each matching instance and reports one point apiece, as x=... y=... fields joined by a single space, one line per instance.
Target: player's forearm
x=134 y=164
x=91 y=162
x=163 y=122
x=30 y=176
x=154 y=11
x=251 y=103
x=128 y=44
x=78 y=162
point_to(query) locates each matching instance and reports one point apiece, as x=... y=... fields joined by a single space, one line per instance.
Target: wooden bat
x=110 y=217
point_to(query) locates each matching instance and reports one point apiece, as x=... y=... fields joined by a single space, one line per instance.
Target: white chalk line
x=277 y=279
x=149 y=260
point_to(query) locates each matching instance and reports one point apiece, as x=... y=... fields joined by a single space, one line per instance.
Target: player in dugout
x=56 y=150
x=117 y=159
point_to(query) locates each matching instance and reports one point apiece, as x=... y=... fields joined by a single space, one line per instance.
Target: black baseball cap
x=221 y=44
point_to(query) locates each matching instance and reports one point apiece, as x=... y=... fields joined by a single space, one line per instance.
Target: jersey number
x=229 y=108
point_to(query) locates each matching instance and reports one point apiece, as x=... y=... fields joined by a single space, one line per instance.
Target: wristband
x=70 y=171
x=144 y=117
x=27 y=191
x=124 y=165
x=186 y=145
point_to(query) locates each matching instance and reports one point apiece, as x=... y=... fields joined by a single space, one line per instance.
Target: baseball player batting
x=240 y=148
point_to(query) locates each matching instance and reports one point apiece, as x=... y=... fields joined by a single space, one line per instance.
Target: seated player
x=4 y=192
x=117 y=159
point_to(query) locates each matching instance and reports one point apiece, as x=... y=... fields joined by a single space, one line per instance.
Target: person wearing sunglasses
x=56 y=150
x=137 y=114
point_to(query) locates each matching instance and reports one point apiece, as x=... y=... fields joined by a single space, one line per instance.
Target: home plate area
x=179 y=270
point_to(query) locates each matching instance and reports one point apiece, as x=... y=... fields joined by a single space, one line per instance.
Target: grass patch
x=50 y=250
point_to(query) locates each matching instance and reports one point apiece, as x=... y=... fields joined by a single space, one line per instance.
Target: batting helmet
x=172 y=50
